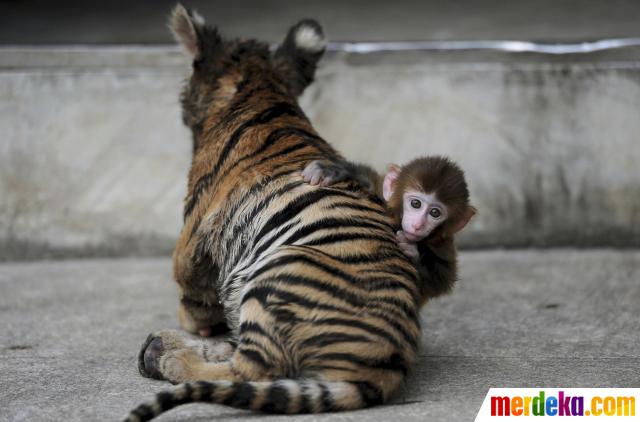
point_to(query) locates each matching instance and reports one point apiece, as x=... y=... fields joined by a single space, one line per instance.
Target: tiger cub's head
x=224 y=68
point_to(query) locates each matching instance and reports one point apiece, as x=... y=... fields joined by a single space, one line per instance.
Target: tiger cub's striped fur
x=322 y=305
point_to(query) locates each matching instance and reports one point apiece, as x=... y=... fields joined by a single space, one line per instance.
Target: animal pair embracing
x=322 y=303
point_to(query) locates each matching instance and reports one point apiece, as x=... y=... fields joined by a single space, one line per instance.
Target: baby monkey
x=429 y=200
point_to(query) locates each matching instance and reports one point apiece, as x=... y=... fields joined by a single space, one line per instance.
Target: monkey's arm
x=326 y=173
x=437 y=266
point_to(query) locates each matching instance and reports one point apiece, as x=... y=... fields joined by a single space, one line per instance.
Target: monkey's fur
x=437 y=263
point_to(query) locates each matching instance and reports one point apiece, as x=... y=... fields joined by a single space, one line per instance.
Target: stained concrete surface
x=71 y=331
x=94 y=157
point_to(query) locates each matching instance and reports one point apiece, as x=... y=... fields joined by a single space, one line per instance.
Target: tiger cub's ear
x=299 y=53
x=186 y=26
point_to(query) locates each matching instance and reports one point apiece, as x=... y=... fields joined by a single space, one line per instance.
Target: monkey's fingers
x=316 y=178
x=409 y=249
x=309 y=171
x=326 y=181
x=311 y=177
x=400 y=237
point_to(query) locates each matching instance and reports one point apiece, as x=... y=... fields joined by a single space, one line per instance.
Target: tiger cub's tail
x=279 y=396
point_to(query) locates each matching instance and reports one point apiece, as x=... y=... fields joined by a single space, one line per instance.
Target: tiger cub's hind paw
x=173 y=355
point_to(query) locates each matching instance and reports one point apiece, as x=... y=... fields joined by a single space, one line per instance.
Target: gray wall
x=551 y=149
x=29 y=22
x=93 y=155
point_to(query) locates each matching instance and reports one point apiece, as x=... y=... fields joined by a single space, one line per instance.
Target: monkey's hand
x=324 y=173
x=408 y=248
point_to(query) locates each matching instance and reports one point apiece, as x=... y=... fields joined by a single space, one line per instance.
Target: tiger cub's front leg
x=199 y=311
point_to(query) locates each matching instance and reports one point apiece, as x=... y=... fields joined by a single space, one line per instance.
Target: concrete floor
x=71 y=331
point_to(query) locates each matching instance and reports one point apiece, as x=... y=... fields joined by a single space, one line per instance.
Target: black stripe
x=383 y=315
x=233 y=213
x=371 y=395
x=408 y=310
x=332 y=290
x=294 y=208
x=336 y=291
x=322 y=367
x=240 y=86
x=381 y=257
x=360 y=325
x=272 y=139
x=287 y=213
x=268 y=242
x=280 y=154
x=169 y=399
x=359 y=207
x=294 y=258
x=308 y=139
x=273 y=112
x=402 y=271
x=308 y=156
x=325 y=399
x=292 y=167
x=285 y=316
x=144 y=412
x=366 y=258
x=240 y=103
x=248 y=327
x=277 y=400
x=242 y=395
x=295 y=163
x=395 y=362
x=165 y=399
x=373 y=197
x=274 y=195
x=261 y=293
x=254 y=356
x=253 y=342
x=332 y=338
x=252 y=327
x=343 y=294
x=305 y=402
x=387 y=282
x=343 y=237
x=265 y=202
x=206 y=390
x=334 y=223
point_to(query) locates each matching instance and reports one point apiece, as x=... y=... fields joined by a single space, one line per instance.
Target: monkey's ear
x=389 y=183
x=464 y=219
x=185 y=26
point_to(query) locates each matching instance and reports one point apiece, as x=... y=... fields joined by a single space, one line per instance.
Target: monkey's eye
x=435 y=213
x=415 y=203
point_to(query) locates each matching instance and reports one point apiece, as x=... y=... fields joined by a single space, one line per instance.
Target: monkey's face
x=421 y=214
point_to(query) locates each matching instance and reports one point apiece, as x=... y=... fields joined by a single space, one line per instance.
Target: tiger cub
x=322 y=305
